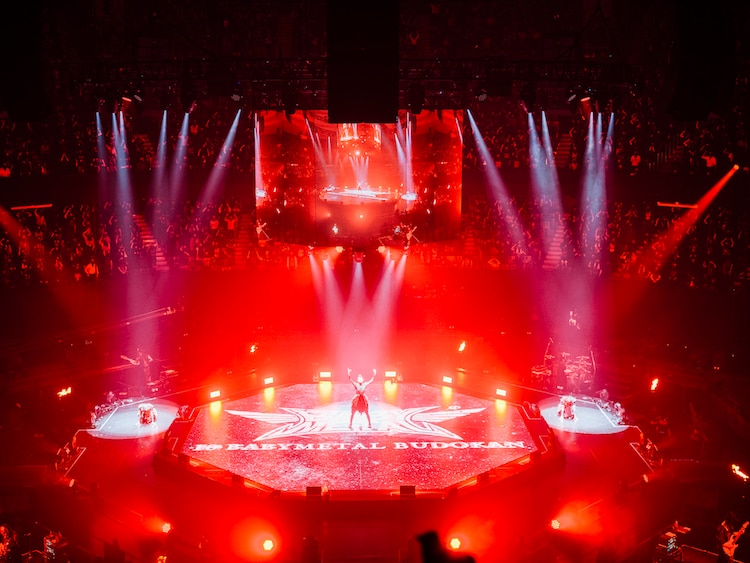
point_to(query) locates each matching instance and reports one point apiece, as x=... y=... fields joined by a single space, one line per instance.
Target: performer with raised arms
x=359 y=401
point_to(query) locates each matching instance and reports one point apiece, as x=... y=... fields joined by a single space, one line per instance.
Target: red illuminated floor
x=298 y=436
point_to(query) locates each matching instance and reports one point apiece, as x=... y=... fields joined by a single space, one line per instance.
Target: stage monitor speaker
x=363 y=43
x=314 y=492
x=408 y=491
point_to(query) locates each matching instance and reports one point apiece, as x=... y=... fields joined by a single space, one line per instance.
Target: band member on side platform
x=142 y=362
x=727 y=536
x=359 y=402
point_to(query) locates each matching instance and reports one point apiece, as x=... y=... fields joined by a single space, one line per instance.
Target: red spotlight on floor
x=214 y=394
x=654 y=384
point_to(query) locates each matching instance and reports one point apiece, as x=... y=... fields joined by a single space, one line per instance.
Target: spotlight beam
x=598 y=151
x=320 y=156
x=179 y=164
x=497 y=186
x=158 y=186
x=12 y=228
x=544 y=182
x=219 y=170
x=670 y=240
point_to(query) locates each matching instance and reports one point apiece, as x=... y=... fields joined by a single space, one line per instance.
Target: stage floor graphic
x=295 y=437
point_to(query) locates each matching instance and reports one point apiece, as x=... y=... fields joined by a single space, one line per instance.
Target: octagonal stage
x=435 y=457
x=295 y=437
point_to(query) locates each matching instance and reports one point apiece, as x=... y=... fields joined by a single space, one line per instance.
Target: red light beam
x=665 y=245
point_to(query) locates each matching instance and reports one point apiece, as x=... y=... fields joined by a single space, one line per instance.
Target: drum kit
x=579 y=373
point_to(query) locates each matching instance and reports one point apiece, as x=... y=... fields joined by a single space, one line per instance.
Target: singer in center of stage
x=359 y=401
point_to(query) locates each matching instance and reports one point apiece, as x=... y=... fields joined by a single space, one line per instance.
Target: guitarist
x=727 y=536
x=142 y=362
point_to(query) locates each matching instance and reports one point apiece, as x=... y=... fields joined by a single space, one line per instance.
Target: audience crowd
x=80 y=242
x=87 y=242
x=643 y=141
x=647 y=135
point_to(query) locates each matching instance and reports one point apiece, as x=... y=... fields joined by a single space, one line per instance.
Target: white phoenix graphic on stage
x=304 y=422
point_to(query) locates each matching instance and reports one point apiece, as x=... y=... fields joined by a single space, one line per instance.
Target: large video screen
x=358 y=184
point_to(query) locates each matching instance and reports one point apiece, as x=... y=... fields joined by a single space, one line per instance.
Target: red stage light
x=214 y=407
x=447 y=379
x=166 y=527
x=215 y=394
x=64 y=392
x=268 y=381
x=501 y=392
x=462 y=346
x=737 y=471
x=654 y=383
x=255 y=539
x=555 y=524
x=454 y=543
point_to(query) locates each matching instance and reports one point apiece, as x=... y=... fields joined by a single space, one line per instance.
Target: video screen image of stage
x=299 y=436
x=329 y=184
